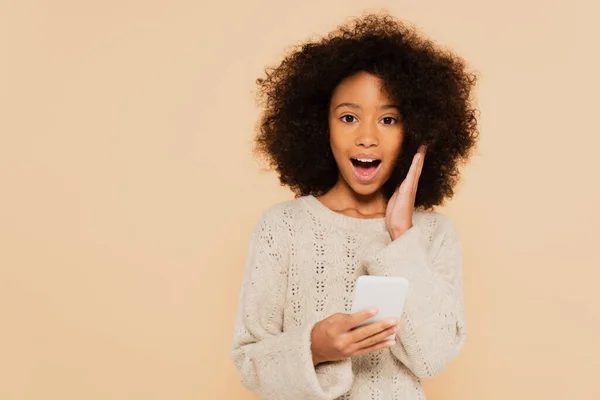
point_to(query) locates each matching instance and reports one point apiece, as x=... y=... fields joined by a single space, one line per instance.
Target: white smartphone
x=386 y=293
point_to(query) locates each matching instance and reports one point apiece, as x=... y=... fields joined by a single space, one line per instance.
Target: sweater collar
x=329 y=216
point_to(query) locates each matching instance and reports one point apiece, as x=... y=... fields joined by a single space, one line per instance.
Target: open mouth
x=365 y=170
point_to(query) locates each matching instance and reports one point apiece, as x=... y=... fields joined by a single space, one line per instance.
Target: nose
x=367 y=136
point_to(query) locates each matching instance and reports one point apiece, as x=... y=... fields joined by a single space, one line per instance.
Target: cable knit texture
x=302 y=263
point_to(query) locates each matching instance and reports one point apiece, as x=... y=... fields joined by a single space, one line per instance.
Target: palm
x=399 y=210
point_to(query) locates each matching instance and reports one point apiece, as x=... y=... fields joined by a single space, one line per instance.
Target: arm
x=274 y=364
x=433 y=323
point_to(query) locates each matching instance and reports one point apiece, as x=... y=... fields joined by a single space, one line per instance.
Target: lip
x=365 y=156
x=362 y=179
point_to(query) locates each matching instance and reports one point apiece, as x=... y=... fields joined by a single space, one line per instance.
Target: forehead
x=361 y=88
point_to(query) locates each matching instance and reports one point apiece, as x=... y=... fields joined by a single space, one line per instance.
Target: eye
x=389 y=120
x=345 y=118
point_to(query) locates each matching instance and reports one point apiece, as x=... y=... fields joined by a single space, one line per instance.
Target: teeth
x=364 y=160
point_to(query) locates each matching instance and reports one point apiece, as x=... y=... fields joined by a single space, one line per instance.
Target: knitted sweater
x=302 y=262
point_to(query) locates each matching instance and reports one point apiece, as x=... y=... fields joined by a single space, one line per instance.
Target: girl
x=347 y=123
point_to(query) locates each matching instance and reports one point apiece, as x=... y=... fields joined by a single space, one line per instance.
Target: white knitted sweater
x=302 y=263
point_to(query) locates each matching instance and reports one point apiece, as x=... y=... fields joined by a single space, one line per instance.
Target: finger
x=419 y=170
x=366 y=331
x=404 y=186
x=419 y=160
x=376 y=338
x=390 y=204
x=399 y=188
x=360 y=316
x=378 y=346
x=412 y=171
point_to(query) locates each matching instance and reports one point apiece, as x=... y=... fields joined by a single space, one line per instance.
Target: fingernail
x=373 y=310
x=391 y=342
x=392 y=322
x=396 y=329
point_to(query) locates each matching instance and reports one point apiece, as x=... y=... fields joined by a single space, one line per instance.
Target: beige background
x=128 y=192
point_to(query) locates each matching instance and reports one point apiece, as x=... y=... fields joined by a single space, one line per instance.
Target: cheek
x=394 y=147
x=338 y=142
x=335 y=148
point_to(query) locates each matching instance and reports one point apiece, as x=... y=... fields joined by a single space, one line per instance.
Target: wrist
x=316 y=361
x=315 y=358
x=396 y=233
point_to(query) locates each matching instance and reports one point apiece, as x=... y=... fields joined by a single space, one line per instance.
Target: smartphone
x=386 y=293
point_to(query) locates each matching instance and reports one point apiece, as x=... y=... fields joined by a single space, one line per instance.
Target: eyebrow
x=352 y=105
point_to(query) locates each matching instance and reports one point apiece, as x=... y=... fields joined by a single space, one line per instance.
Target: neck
x=342 y=198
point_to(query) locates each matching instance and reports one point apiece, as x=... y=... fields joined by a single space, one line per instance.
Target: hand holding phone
x=340 y=336
x=372 y=325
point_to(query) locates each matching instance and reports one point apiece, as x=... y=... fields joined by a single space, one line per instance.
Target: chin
x=363 y=189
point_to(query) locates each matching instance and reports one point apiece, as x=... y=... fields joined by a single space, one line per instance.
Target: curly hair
x=431 y=85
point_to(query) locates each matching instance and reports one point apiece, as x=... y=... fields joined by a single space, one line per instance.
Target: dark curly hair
x=431 y=85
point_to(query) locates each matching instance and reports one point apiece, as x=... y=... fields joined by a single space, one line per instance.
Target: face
x=365 y=133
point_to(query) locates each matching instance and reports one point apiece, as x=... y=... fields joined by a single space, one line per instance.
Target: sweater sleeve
x=276 y=364
x=432 y=327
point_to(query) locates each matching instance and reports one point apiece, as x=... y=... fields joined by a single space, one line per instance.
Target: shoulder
x=435 y=225
x=280 y=218
x=283 y=212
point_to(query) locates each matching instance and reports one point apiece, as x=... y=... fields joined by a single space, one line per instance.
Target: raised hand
x=399 y=211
